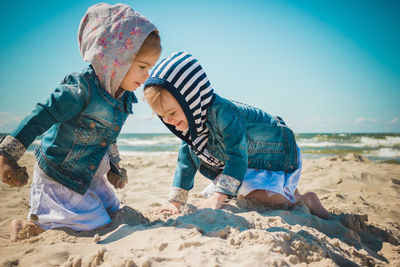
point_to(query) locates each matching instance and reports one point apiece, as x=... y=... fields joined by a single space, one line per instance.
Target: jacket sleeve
x=232 y=126
x=113 y=153
x=184 y=175
x=63 y=104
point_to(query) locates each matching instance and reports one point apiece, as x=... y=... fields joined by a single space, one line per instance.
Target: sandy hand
x=214 y=202
x=173 y=207
x=11 y=173
x=117 y=180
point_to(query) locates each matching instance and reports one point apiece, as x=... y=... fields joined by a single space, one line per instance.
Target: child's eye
x=143 y=67
x=172 y=113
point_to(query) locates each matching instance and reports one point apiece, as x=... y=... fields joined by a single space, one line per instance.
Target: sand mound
x=362 y=196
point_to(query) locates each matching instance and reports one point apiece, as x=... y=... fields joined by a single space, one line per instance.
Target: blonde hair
x=153 y=95
x=151 y=45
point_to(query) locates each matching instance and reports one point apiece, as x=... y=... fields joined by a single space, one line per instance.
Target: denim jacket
x=82 y=121
x=223 y=138
x=243 y=137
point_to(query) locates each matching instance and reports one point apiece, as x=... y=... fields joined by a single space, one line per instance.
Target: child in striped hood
x=242 y=149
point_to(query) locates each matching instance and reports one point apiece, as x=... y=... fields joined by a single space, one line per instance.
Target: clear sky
x=324 y=66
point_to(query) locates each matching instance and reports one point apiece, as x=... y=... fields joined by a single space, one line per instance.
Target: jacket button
x=291 y=166
x=92 y=167
x=269 y=165
x=92 y=125
x=103 y=144
x=116 y=128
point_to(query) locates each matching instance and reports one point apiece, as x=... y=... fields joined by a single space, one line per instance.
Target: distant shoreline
x=378 y=147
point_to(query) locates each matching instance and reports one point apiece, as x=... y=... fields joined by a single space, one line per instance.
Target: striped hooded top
x=182 y=75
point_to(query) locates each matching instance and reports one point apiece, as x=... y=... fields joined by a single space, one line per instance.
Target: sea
x=380 y=147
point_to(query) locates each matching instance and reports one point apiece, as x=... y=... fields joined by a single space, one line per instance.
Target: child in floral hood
x=81 y=120
x=242 y=149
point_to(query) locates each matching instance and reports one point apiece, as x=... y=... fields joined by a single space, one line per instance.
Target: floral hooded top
x=110 y=37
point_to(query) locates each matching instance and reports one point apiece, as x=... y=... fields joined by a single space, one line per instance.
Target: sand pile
x=363 y=197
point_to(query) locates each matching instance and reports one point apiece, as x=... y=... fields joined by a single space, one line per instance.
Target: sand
x=363 y=197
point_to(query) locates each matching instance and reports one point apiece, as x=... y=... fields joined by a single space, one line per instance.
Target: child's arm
x=117 y=176
x=183 y=181
x=232 y=126
x=63 y=104
x=113 y=153
x=184 y=176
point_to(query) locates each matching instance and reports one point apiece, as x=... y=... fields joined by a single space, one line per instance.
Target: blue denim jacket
x=82 y=120
x=243 y=137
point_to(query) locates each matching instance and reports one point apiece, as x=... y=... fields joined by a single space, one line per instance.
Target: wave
x=310 y=143
x=385 y=153
x=143 y=153
x=388 y=141
x=376 y=146
x=357 y=142
x=133 y=141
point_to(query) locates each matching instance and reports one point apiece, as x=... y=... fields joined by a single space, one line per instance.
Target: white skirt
x=53 y=205
x=274 y=182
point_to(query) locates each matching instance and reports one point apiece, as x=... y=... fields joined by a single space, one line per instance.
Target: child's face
x=139 y=71
x=171 y=112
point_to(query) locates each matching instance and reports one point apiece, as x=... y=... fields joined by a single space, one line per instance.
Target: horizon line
x=7 y=133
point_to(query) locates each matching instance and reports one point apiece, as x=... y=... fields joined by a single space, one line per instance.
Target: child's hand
x=116 y=180
x=12 y=175
x=214 y=202
x=173 y=207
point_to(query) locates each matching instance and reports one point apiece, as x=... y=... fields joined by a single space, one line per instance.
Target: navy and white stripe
x=182 y=75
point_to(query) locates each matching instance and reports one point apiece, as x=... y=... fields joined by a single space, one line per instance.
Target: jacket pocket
x=266 y=140
x=89 y=130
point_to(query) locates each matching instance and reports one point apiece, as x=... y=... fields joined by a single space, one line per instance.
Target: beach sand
x=363 y=196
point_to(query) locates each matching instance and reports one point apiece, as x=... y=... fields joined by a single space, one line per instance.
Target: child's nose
x=168 y=120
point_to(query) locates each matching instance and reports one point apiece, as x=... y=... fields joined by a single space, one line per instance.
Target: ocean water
x=376 y=146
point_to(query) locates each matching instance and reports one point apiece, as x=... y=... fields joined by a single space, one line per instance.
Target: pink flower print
x=117 y=63
x=103 y=42
x=116 y=35
x=104 y=68
x=100 y=56
x=113 y=74
x=121 y=15
x=85 y=19
x=129 y=43
x=120 y=36
x=135 y=31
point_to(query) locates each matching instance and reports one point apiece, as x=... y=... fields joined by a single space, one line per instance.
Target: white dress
x=53 y=205
x=274 y=182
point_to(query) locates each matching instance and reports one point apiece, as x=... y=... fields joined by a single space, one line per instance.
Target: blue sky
x=324 y=66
